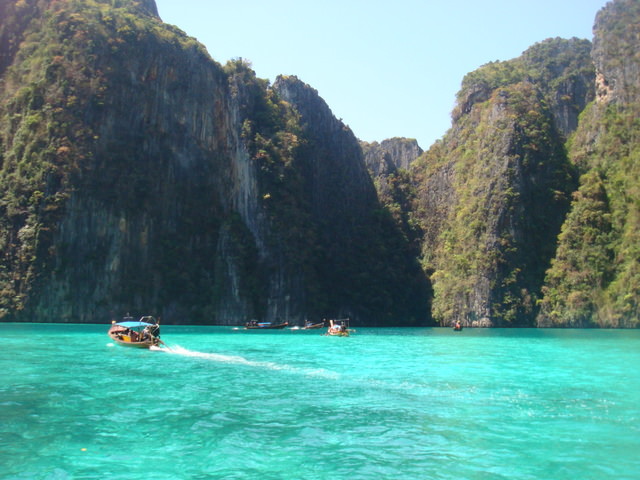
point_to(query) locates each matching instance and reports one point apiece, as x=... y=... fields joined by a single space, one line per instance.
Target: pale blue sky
x=387 y=69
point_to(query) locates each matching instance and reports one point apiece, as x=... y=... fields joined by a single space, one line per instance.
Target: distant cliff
x=140 y=175
x=353 y=229
x=492 y=195
x=527 y=207
x=390 y=155
x=594 y=279
x=388 y=163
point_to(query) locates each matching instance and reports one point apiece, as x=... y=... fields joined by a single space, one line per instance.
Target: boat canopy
x=134 y=324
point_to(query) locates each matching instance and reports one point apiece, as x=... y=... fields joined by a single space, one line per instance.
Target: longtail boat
x=143 y=333
x=339 y=328
x=255 y=325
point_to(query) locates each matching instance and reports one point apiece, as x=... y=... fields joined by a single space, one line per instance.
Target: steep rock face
x=351 y=226
x=144 y=181
x=12 y=29
x=128 y=185
x=145 y=6
x=387 y=163
x=338 y=176
x=560 y=69
x=615 y=52
x=566 y=81
x=433 y=176
x=595 y=275
x=390 y=155
x=136 y=185
x=492 y=195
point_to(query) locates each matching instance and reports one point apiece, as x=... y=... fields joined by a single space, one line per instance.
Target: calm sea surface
x=381 y=404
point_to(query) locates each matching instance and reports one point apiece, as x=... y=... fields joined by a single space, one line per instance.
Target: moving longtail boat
x=143 y=333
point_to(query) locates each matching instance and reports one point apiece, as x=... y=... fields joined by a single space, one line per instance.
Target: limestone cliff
x=352 y=228
x=388 y=163
x=594 y=279
x=615 y=52
x=509 y=235
x=491 y=196
x=140 y=175
x=128 y=185
x=390 y=155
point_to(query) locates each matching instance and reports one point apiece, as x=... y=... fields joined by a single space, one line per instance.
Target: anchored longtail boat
x=255 y=325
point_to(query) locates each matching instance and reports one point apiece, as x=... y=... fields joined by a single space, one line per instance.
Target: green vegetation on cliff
x=595 y=277
x=136 y=173
x=492 y=195
x=352 y=229
x=67 y=84
x=139 y=175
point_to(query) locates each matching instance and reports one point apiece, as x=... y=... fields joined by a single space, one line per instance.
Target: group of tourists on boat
x=339 y=328
x=143 y=333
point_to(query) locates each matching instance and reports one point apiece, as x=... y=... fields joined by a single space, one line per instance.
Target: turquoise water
x=381 y=404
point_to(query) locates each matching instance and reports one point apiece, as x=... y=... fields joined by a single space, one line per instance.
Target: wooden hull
x=338 y=328
x=126 y=341
x=129 y=343
x=338 y=334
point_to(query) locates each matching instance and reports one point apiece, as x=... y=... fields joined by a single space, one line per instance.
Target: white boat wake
x=238 y=360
